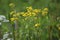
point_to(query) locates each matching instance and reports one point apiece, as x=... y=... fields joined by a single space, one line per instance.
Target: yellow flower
x=29 y=8
x=24 y=15
x=12 y=12
x=12 y=5
x=46 y=9
x=37 y=25
x=29 y=14
x=34 y=14
x=44 y=13
x=21 y=13
x=37 y=10
x=13 y=19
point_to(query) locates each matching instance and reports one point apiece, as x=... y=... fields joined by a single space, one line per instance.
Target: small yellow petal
x=37 y=25
x=46 y=9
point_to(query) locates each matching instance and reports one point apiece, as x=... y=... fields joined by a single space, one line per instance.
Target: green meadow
x=29 y=19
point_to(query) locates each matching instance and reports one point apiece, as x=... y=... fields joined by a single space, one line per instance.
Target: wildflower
x=37 y=10
x=34 y=14
x=46 y=9
x=2 y=17
x=29 y=8
x=44 y=13
x=29 y=14
x=5 y=35
x=12 y=5
x=13 y=19
x=5 y=20
x=21 y=13
x=12 y=12
x=37 y=25
x=24 y=15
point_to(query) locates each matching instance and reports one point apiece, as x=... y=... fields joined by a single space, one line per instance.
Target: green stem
x=50 y=32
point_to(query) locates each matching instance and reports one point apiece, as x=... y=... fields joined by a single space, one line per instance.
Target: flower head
x=37 y=25
x=46 y=9
x=12 y=5
x=12 y=12
x=13 y=19
x=44 y=13
x=29 y=8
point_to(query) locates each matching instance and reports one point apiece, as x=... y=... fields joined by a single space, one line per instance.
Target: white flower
x=5 y=36
x=5 y=20
x=2 y=17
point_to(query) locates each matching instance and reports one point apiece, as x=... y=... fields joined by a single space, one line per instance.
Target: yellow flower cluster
x=37 y=10
x=44 y=11
x=13 y=19
x=14 y=15
x=29 y=8
x=31 y=12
